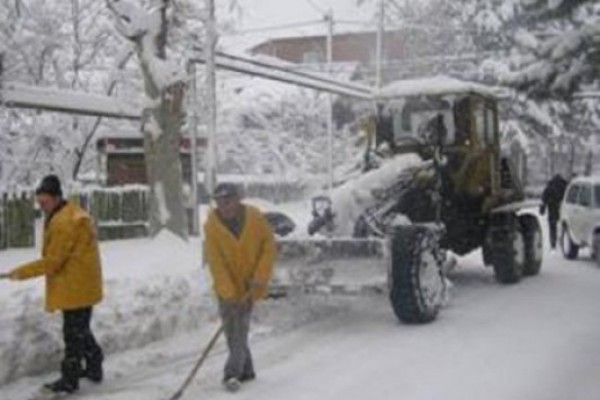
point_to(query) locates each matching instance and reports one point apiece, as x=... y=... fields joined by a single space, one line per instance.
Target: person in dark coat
x=551 y=200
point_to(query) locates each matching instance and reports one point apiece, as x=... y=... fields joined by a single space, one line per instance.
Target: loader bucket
x=331 y=266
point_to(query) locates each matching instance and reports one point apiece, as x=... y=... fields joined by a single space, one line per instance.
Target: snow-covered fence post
x=163 y=112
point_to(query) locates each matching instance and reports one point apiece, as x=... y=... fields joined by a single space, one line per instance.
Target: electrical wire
x=318 y=8
x=274 y=28
x=354 y=22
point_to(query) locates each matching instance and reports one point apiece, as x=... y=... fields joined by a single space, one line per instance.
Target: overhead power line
x=275 y=27
x=355 y=22
x=317 y=7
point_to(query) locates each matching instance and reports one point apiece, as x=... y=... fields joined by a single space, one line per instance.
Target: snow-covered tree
x=274 y=128
x=163 y=115
x=68 y=45
x=562 y=43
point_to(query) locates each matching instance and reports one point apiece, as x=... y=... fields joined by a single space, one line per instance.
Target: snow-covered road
x=539 y=340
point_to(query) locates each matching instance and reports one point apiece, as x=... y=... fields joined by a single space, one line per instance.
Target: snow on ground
x=535 y=340
x=153 y=288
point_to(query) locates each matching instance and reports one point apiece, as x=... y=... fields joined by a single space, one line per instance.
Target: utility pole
x=1 y=76
x=1 y=108
x=211 y=83
x=193 y=135
x=379 y=48
x=330 y=177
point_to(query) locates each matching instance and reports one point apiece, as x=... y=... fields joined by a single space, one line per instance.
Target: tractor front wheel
x=417 y=285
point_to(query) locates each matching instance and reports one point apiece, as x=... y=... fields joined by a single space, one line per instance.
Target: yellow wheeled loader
x=434 y=181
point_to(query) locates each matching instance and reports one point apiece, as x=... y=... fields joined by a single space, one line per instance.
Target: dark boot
x=93 y=367
x=69 y=381
x=248 y=376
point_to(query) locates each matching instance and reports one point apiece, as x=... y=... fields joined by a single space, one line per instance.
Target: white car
x=580 y=217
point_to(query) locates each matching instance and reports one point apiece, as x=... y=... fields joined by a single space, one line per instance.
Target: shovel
x=198 y=364
x=186 y=383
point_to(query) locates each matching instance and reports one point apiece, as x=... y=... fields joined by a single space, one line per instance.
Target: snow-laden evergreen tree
x=497 y=42
x=562 y=41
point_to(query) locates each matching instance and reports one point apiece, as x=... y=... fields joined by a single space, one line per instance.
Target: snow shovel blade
x=340 y=265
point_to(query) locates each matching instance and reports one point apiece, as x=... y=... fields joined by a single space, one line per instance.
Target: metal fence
x=119 y=213
x=17 y=220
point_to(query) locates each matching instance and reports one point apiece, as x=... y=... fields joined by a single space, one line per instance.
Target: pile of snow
x=154 y=289
x=352 y=198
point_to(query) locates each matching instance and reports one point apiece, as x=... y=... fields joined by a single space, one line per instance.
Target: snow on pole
x=1 y=76
x=282 y=72
x=379 y=48
x=193 y=134
x=330 y=177
x=211 y=82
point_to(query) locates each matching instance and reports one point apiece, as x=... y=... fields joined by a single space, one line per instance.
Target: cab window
x=490 y=125
x=585 y=196
x=480 y=127
x=461 y=116
x=573 y=194
x=416 y=117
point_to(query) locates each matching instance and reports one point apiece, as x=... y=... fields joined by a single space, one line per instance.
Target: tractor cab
x=459 y=118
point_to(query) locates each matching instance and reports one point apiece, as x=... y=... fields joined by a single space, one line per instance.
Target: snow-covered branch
x=144 y=28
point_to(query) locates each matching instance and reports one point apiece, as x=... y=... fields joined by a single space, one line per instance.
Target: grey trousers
x=236 y=324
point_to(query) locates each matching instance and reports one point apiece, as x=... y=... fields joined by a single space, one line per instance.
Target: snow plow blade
x=331 y=266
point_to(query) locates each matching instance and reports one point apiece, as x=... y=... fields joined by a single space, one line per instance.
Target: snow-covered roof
x=434 y=86
x=594 y=179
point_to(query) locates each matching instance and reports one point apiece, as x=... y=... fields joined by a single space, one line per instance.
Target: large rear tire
x=417 y=286
x=569 y=249
x=508 y=248
x=534 y=244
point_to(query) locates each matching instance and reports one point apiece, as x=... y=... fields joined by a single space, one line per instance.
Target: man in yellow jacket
x=71 y=265
x=240 y=249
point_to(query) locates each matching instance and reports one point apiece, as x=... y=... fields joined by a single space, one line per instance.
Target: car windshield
x=597 y=196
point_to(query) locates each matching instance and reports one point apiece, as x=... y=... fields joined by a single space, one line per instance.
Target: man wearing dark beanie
x=70 y=263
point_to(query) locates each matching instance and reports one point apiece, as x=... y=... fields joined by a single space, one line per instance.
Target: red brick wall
x=125 y=161
x=355 y=47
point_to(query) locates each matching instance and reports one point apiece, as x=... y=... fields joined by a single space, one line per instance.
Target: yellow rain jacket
x=235 y=263
x=70 y=261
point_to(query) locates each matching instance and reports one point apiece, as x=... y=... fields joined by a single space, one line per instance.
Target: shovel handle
x=213 y=341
